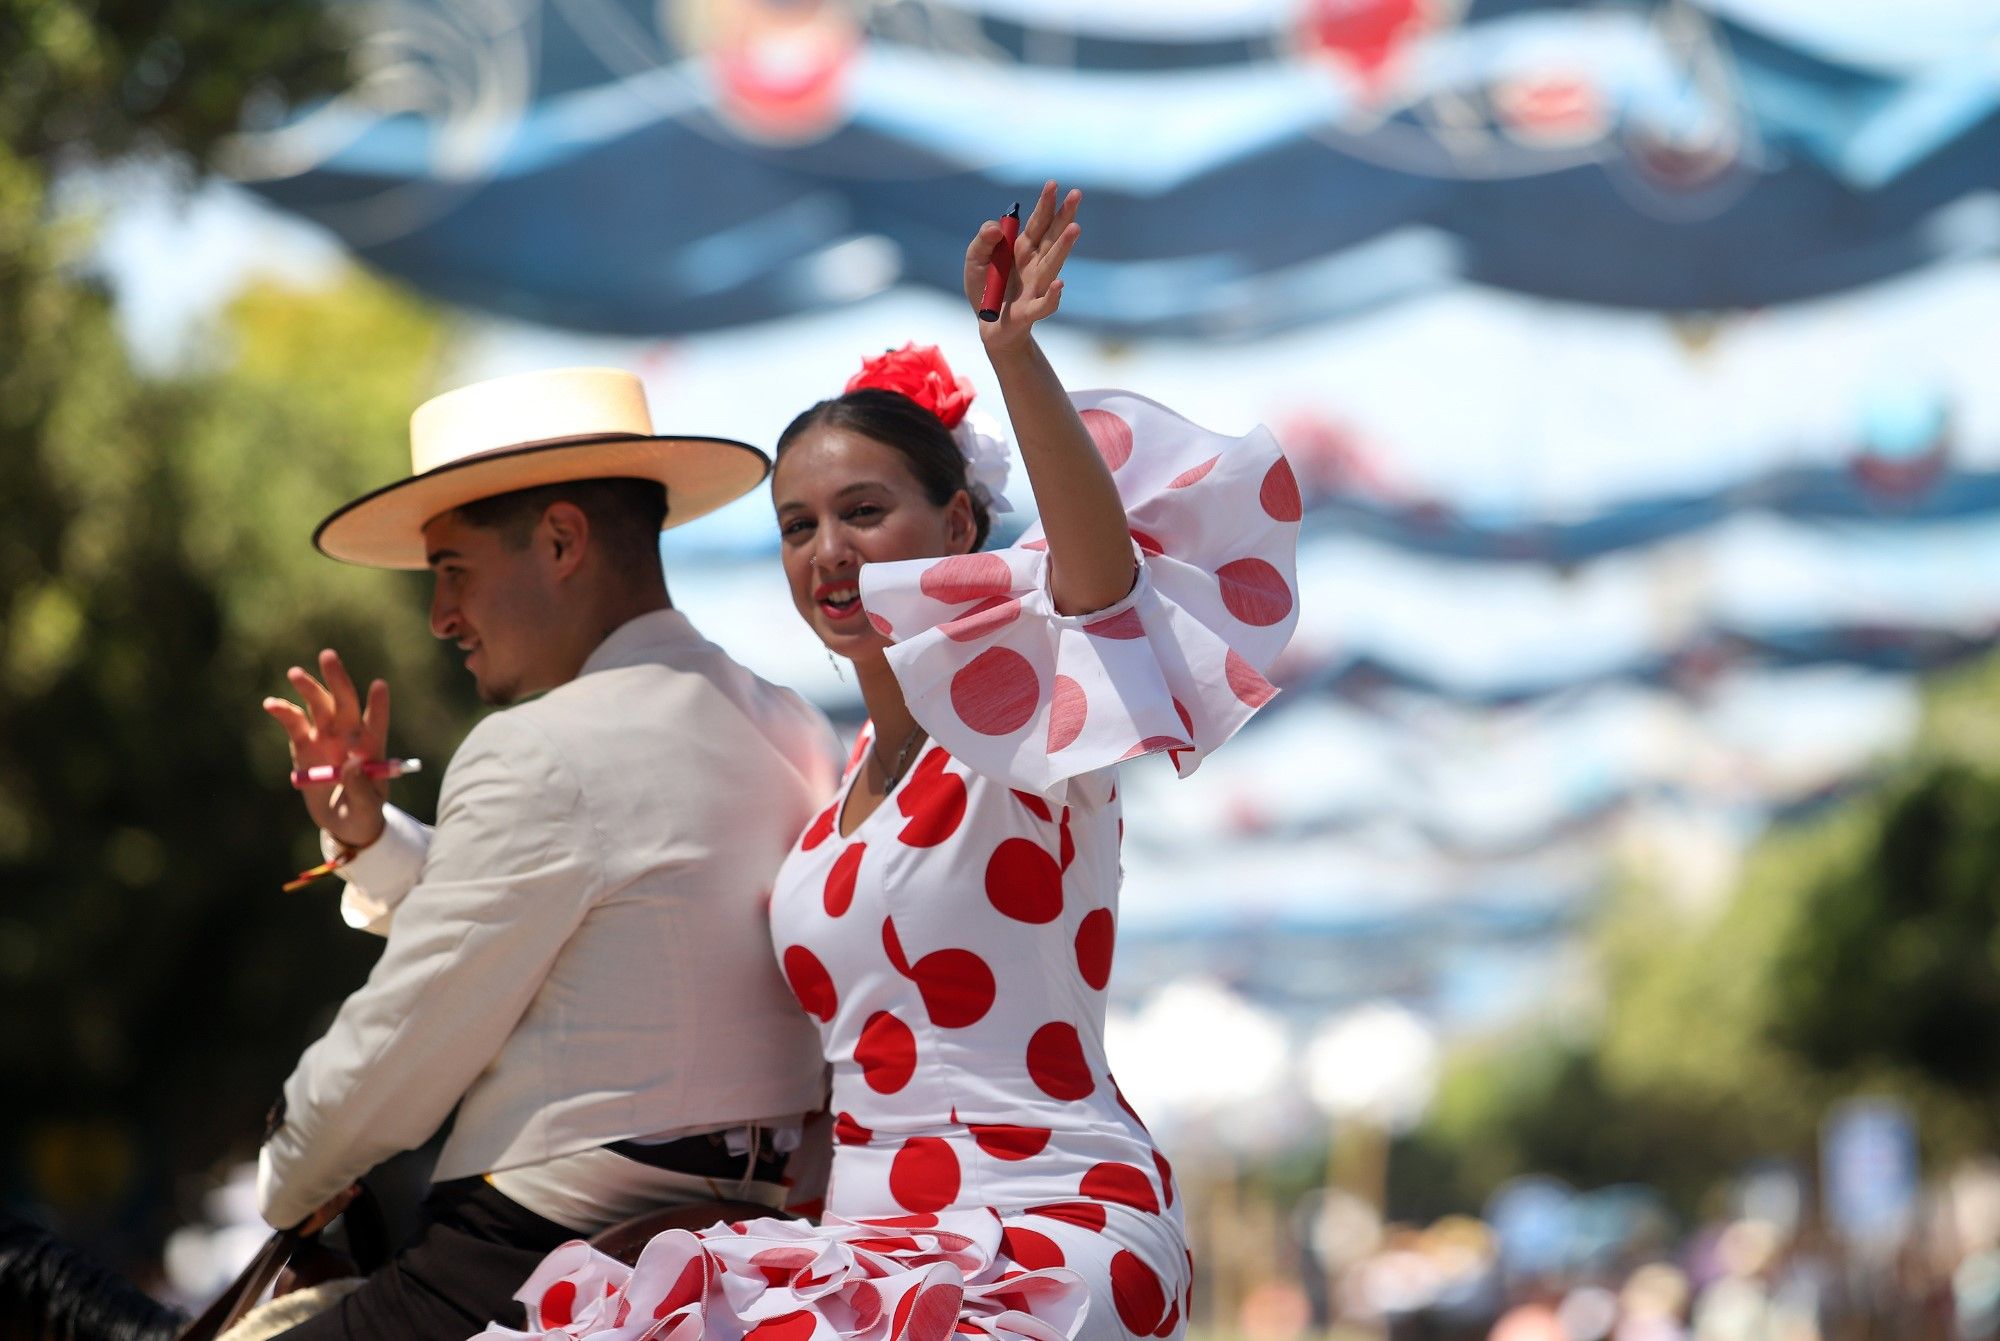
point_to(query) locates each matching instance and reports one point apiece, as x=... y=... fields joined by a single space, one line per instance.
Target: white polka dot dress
x=954 y=949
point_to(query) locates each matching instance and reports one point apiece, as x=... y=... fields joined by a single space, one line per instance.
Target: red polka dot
x=932 y=799
x=558 y=1303
x=880 y=625
x=996 y=692
x=781 y=1264
x=1084 y=1214
x=1254 y=591
x=790 y=1327
x=1246 y=683
x=956 y=986
x=1193 y=476
x=846 y=1131
x=1067 y=710
x=1126 y=1104
x=1187 y=722
x=1035 y=804
x=1112 y=435
x=1120 y=1183
x=1034 y=1251
x=1280 y=493
x=1170 y=1322
x=924 y=1175
x=1124 y=625
x=1003 y=1141
x=1056 y=1063
x=810 y=983
x=987 y=617
x=966 y=577
x=1146 y=543
x=866 y=1297
x=901 y=1243
x=892 y=945
x=1136 y=1293
x=840 y=880
x=1095 y=936
x=1036 y=544
x=822 y=827
x=886 y=1052
x=927 y=1313
x=1153 y=743
x=690 y=1287
x=1024 y=882
x=1068 y=843
x=1166 y=1172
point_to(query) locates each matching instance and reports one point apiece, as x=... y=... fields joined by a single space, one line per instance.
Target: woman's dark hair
x=917 y=435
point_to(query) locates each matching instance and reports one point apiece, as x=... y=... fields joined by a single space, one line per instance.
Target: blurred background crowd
x=1599 y=937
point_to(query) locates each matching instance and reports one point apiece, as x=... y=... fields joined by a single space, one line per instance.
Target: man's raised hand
x=331 y=726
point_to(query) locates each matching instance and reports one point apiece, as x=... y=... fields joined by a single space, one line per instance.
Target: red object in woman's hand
x=1001 y=267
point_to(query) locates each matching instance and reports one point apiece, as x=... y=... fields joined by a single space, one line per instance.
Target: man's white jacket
x=578 y=951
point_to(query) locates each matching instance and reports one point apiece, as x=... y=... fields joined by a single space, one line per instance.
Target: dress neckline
x=840 y=830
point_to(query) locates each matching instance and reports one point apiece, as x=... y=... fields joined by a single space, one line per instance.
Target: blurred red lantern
x=1363 y=39
x=781 y=67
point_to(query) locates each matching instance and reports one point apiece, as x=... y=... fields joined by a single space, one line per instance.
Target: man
x=577 y=955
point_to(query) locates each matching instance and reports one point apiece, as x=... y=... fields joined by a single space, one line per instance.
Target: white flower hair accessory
x=987 y=452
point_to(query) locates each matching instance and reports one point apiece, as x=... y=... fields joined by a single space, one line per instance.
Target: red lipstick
x=1001 y=267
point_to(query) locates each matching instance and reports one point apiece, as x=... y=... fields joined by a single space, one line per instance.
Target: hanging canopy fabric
x=621 y=166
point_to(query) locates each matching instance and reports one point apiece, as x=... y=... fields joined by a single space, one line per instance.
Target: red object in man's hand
x=1001 y=267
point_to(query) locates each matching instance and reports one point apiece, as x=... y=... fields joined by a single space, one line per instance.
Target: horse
x=53 y=1291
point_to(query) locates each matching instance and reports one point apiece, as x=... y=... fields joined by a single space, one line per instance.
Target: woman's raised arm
x=1090 y=546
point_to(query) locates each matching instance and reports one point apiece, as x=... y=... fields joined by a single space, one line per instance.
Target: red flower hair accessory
x=919 y=372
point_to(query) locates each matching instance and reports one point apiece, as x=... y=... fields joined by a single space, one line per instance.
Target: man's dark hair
x=899 y=423
x=625 y=516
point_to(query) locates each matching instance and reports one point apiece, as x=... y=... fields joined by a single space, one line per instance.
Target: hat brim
x=384 y=529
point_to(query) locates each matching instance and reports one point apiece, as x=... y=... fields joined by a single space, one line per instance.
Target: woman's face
x=844 y=499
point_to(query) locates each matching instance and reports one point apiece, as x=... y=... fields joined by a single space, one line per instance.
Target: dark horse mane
x=53 y=1291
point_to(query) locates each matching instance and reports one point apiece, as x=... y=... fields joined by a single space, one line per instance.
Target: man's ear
x=563 y=535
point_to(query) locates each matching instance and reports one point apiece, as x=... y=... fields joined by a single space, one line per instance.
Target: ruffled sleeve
x=1022 y=693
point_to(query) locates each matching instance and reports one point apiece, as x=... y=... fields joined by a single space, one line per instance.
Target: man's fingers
x=318 y=703
x=289 y=716
x=340 y=684
x=375 y=720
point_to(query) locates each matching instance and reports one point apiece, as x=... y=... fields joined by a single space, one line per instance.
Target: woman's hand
x=1090 y=546
x=1034 y=290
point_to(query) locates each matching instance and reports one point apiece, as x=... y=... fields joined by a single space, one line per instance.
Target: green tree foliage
x=158 y=582
x=1859 y=952
x=155 y=581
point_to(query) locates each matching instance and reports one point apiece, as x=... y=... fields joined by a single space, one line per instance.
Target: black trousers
x=472 y=1251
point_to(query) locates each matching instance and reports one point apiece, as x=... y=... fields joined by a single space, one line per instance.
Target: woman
x=948 y=920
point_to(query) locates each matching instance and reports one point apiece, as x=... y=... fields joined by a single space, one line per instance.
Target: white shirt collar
x=631 y=642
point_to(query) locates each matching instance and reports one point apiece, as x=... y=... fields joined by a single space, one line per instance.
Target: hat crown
x=507 y=412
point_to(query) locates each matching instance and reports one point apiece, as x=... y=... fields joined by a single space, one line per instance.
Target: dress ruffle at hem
x=910 y=1278
x=1025 y=694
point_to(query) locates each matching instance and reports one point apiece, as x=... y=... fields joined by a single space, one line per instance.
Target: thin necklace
x=890 y=777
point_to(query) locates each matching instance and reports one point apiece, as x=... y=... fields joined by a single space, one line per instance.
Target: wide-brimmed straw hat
x=531 y=429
